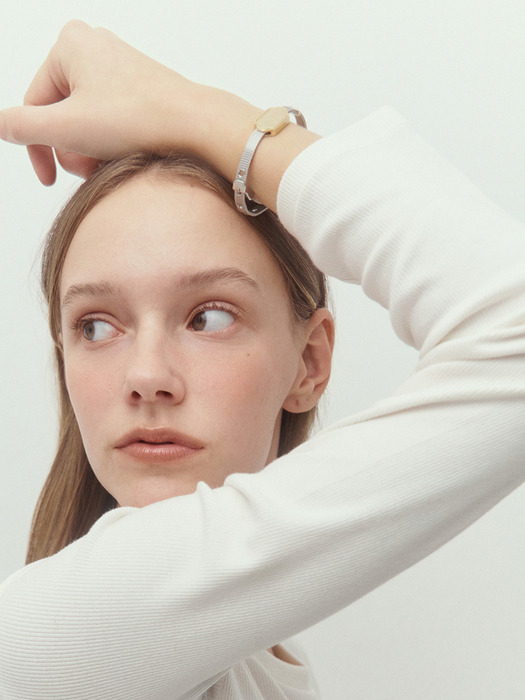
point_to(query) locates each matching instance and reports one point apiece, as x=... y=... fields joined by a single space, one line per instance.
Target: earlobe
x=316 y=364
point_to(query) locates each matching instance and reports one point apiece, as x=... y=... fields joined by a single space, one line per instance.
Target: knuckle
x=71 y=34
x=73 y=27
x=78 y=37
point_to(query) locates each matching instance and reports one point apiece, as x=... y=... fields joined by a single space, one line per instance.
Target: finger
x=43 y=163
x=48 y=86
x=76 y=164
x=33 y=125
x=51 y=83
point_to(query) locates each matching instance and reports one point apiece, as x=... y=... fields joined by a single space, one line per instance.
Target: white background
x=454 y=626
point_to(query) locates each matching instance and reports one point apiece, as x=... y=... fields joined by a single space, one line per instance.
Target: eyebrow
x=186 y=281
x=89 y=289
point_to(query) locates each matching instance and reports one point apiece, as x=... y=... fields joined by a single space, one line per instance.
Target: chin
x=148 y=495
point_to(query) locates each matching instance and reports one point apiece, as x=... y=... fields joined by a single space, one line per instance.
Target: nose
x=152 y=373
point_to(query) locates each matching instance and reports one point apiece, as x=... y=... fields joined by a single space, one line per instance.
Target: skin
x=140 y=356
x=74 y=109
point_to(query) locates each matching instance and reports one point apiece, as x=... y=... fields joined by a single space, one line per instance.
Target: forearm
x=218 y=125
x=87 y=113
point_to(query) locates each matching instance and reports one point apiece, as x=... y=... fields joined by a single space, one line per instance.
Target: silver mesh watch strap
x=244 y=203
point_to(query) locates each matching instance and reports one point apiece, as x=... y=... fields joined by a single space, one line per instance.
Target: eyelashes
x=211 y=317
x=96 y=330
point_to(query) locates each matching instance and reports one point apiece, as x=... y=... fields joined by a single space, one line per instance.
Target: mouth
x=158 y=444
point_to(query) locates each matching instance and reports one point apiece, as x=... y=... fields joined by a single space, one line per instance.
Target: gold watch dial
x=273 y=120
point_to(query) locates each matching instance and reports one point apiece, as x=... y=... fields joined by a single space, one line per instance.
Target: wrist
x=214 y=125
x=228 y=121
x=224 y=123
x=270 y=123
x=202 y=121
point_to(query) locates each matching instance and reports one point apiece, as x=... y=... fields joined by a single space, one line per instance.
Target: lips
x=158 y=445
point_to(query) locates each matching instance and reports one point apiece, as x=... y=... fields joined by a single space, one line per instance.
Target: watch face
x=273 y=120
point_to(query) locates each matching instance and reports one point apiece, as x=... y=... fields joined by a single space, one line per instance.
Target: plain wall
x=453 y=626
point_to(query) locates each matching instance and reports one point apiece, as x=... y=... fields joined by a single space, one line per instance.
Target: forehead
x=152 y=228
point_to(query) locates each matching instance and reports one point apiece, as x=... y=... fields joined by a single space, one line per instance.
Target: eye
x=212 y=320
x=94 y=330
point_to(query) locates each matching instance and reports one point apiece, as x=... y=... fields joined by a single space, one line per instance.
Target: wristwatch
x=270 y=123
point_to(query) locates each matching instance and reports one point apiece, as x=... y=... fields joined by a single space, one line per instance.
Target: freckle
x=297 y=402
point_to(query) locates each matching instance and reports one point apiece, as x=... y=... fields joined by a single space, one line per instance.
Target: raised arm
x=96 y=98
x=158 y=602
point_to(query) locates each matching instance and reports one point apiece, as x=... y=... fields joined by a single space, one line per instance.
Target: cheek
x=91 y=392
x=249 y=390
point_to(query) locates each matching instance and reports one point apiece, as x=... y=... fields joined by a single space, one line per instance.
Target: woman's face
x=179 y=341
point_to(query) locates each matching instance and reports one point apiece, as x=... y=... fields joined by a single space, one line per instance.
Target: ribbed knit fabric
x=173 y=599
x=263 y=676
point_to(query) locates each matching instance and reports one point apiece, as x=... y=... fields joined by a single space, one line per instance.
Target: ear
x=315 y=365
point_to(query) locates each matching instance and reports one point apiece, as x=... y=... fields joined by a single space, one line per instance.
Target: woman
x=184 y=597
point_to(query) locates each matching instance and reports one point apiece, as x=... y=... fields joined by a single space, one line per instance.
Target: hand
x=95 y=98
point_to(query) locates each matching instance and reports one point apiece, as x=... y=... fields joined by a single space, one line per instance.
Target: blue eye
x=212 y=320
x=97 y=330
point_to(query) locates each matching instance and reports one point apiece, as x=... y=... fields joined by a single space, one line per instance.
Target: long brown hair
x=72 y=499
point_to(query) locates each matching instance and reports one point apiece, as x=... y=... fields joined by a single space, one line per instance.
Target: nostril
x=160 y=394
x=150 y=388
x=165 y=394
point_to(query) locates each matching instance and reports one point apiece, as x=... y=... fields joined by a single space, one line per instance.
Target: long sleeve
x=158 y=602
